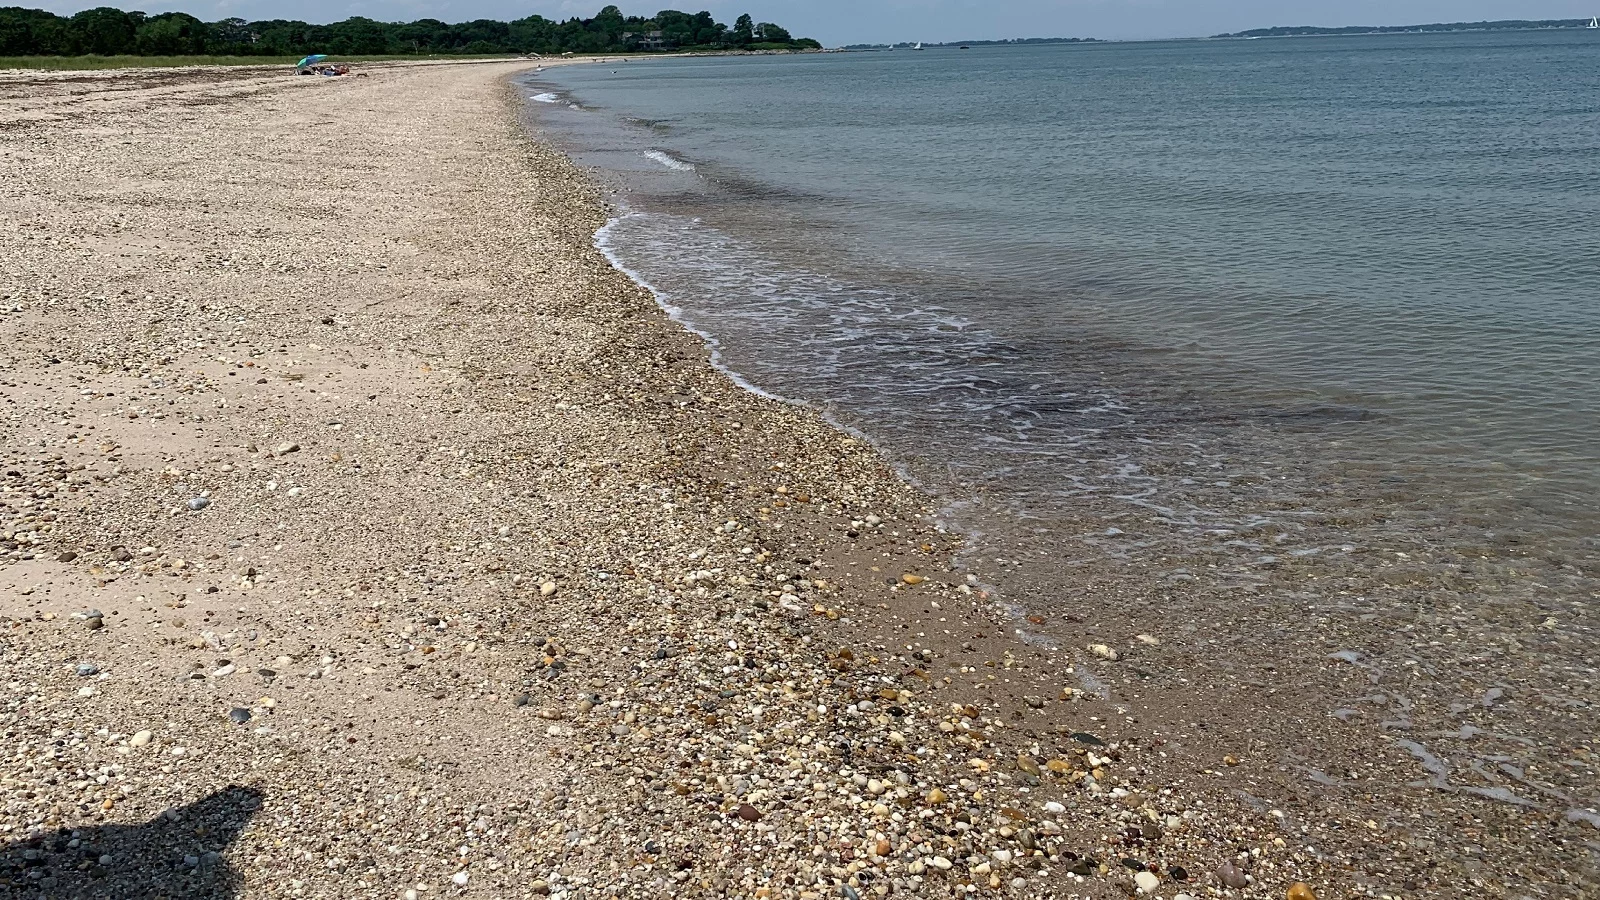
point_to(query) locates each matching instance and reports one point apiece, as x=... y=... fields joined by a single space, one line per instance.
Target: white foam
x=602 y=241
x=668 y=160
x=546 y=98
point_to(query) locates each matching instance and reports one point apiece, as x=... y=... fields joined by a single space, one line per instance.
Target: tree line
x=110 y=32
x=1436 y=27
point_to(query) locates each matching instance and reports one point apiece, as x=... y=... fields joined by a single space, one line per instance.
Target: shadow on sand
x=176 y=854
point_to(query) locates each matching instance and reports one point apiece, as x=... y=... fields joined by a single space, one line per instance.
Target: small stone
x=239 y=715
x=1054 y=807
x=140 y=739
x=196 y=504
x=1104 y=652
x=286 y=448
x=460 y=879
x=94 y=623
x=548 y=589
x=936 y=797
x=1301 y=891
x=1084 y=737
x=225 y=671
x=1147 y=882
x=1231 y=876
x=909 y=578
x=1178 y=873
x=84 y=670
x=749 y=813
x=939 y=862
x=1027 y=764
x=68 y=556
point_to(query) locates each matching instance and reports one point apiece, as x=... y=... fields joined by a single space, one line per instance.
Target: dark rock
x=239 y=715
x=1084 y=737
x=749 y=813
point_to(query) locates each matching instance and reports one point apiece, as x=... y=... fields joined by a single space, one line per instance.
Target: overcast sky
x=860 y=21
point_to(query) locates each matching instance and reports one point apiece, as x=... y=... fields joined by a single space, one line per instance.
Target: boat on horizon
x=918 y=46
x=1594 y=22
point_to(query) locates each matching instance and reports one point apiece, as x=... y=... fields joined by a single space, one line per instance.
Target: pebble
x=460 y=879
x=548 y=589
x=287 y=448
x=1231 y=876
x=198 y=503
x=84 y=670
x=1301 y=891
x=1147 y=882
x=239 y=715
x=140 y=739
x=1104 y=652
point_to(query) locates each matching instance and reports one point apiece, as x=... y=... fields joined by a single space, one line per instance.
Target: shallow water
x=1308 y=319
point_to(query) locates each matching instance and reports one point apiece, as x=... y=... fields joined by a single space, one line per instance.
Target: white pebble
x=1147 y=882
x=460 y=878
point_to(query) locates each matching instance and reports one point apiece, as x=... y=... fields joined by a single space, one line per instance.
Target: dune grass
x=74 y=63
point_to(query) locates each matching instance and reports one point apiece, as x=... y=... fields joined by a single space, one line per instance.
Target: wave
x=668 y=160
x=546 y=98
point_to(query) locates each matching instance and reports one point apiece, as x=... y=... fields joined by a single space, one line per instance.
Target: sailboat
x=918 y=46
x=1594 y=21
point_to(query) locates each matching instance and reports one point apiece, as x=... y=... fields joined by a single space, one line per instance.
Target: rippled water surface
x=1231 y=282
x=1285 y=351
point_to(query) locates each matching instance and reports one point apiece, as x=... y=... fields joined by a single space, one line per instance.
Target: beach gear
x=311 y=60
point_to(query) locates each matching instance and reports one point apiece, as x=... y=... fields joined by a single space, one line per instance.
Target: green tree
x=609 y=24
x=171 y=34
x=768 y=33
x=744 y=30
x=105 y=30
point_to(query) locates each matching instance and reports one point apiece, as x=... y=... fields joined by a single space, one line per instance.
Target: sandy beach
x=365 y=534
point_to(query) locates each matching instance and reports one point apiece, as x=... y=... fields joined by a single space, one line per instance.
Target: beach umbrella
x=311 y=60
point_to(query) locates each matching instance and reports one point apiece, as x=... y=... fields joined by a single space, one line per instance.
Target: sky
x=836 y=22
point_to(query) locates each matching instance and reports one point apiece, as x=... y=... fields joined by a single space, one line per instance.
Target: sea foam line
x=668 y=160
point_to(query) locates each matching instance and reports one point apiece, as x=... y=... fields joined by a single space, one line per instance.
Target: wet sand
x=366 y=534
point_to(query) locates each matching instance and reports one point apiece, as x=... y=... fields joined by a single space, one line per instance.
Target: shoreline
x=1348 y=693
x=498 y=588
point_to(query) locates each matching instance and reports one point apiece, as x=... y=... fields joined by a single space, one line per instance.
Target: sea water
x=1312 y=319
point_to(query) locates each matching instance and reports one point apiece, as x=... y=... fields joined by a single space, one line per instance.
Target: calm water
x=1181 y=305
